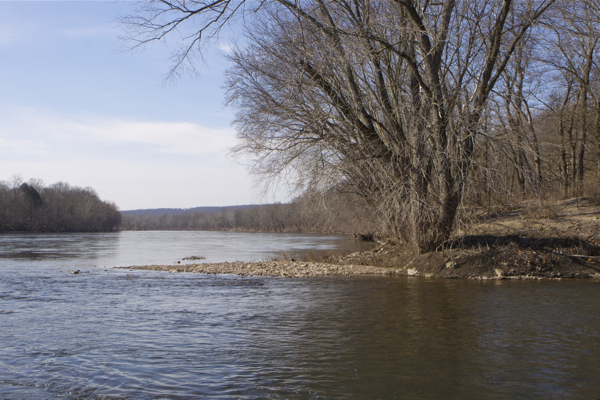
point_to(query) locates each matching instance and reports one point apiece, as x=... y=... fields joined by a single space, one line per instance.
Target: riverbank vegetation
x=32 y=207
x=434 y=115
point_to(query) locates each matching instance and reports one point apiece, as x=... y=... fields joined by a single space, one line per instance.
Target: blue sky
x=74 y=107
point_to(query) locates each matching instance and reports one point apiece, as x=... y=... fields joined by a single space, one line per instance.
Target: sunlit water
x=129 y=334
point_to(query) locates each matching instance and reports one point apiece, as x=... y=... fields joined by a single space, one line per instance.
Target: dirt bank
x=549 y=241
x=537 y=241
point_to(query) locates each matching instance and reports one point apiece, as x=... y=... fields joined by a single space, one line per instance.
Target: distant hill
x=176 y=211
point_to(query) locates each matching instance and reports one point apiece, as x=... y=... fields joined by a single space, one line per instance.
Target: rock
x=194 y=258
x=451 y=264
x=75 y=272
x=428 y=275
x=411 y=271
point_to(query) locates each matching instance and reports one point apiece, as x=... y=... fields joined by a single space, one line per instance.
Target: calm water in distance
x=127 y=334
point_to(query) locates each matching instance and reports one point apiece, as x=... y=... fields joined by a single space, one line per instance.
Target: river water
x=129 y=334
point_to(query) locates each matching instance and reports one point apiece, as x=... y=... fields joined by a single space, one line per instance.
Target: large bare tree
x=384 y=98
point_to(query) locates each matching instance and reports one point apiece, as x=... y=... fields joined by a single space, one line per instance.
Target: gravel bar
x=286 y=269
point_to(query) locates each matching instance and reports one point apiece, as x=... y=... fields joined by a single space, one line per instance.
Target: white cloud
x=35 y=132
x=137 y=164
x=226 y=48
x=167 y=137
x=23 y=146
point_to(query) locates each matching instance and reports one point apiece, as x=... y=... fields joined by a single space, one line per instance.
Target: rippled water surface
x=121 y=334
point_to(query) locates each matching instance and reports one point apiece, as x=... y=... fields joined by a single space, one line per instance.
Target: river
x=129 y=334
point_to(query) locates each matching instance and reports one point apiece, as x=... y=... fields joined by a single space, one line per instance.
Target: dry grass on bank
x=539 y=240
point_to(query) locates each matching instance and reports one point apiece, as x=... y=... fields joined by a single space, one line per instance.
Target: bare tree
x=574 y=38
x=385 y=98
x=512 y=123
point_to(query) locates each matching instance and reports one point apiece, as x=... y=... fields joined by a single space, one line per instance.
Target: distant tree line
x=176 y=211
x=32 y=207
x=317 y=212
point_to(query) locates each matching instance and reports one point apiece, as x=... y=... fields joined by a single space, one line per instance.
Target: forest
x=32 y=207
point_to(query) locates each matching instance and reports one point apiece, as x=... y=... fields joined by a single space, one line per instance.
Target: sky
x=76 y=108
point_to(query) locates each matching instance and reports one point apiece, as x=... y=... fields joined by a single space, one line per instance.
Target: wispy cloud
x=24 y=146
x=122 y=158
x=163 y=137
x=226 y=47
x=29 y=130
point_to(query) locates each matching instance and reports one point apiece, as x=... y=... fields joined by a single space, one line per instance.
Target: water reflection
x=15 y=247
x=444 y=339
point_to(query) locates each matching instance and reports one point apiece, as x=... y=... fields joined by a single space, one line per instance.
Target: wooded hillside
x=60 y=207
x=322 y=213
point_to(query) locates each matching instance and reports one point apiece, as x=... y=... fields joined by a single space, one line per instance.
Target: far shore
x=551 y=242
